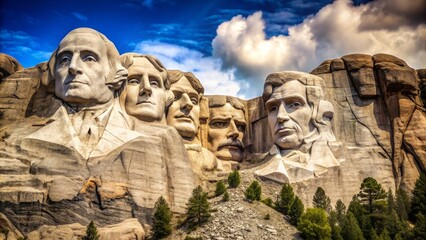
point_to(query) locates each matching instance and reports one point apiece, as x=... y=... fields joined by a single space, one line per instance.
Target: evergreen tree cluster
x=289 y=204
x=373 y=214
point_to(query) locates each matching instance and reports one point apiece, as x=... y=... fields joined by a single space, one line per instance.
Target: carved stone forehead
x=314 y=84
x=279 y=78
x=219 y=101
x=84 y=31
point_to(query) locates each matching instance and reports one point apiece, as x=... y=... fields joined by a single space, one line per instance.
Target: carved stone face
x=289 y=115
x=226 y=131
x=146 y=94
x=81 y=70
x=184 y=113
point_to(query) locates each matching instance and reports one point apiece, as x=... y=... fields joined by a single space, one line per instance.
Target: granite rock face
x=51 y=187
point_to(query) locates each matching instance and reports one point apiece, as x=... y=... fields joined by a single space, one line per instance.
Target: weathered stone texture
x=8 y=66
x=50 y=190
x=129 y=229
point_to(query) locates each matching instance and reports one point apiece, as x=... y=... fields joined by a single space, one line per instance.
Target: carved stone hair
x=118 y=73
x=175 y=75
x=127 y=60
x=219 y=101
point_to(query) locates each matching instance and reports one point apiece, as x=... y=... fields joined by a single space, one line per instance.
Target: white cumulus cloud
x=207 y=69
x=338 y=29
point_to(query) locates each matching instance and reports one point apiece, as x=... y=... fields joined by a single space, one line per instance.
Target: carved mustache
x=232 y=142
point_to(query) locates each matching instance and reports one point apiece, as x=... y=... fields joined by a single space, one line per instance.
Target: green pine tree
x=351 y=229
x=198 y=210
x=313 y=224
x=402 y=204
x=390 y=201
x=372 y=195
x=356 y=208
x=91 y=232
x=161 y=224
x=296 y=210
x=418 y=200
x=234 y=179
x=285 y=198
x=335 y=225
x=321 y=200
x=384 y=235
x=253 y=192
x=220 y=188
x=225 y=196
x=393 y=222
x=341 y=211
x=419 y=230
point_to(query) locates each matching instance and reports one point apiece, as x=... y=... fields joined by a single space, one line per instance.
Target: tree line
x=373 y=213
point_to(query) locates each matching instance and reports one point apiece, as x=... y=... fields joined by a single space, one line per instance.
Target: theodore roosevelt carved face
x=184 y=113
x=227 y=126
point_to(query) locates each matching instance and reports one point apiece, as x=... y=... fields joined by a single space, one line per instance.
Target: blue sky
x=229 y=45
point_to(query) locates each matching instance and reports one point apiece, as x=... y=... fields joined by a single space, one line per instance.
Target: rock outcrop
x=50 y=189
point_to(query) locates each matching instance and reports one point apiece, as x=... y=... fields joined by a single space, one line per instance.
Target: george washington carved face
x=82 y=69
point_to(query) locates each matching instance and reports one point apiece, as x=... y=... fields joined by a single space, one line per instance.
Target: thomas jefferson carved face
x=82 y=68
x=184 y=113
x=146 y=94
x=289 y=115
x=226 y=131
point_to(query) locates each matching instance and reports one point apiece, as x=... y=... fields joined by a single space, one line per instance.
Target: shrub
x=234 y=179
x=91 y=232
x=225 y=196
x=313 y=224
x=220 y=188
x=253 y=192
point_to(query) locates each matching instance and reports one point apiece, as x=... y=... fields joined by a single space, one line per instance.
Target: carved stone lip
x=76 y=81
x=232 y=145
x=285 y=130
x=145 y=102
x=184 y=117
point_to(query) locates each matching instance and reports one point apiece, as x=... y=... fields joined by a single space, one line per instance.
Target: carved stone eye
x=295 y=105
x=241 y=127
x=89 y=58
x=133 y=81
x=178 y=95
x=273 y=108
x=219 y=124
x=65 y=59
x=194 y=100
